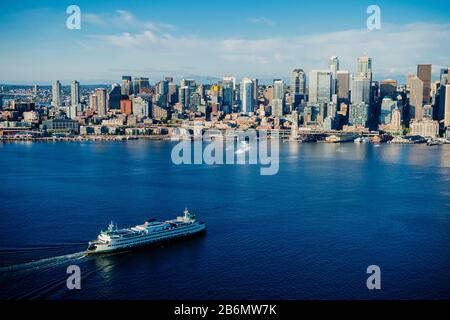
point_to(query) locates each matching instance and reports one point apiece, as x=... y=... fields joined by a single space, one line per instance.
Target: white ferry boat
x=151 y=232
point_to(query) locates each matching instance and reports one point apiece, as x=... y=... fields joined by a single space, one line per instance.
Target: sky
x=262 y=39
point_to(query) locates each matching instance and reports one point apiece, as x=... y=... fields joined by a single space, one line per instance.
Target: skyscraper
x=364 y=67
x=101 y=101
x=424 y=74
x=320 y=86
x=278 y=98
x=227 y=94
x=447 y=106
x=333 y=65
x=298 y=87
x=416 y=98
x=141 y=85
x=56 y=94
x=343 y=83
x=74 y=93
x=388 y=88
x=246 y=95
x=114 y=97
x=360 y=90
x=126 y=87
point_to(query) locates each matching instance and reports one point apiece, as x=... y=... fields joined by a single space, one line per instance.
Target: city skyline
x=204 y=40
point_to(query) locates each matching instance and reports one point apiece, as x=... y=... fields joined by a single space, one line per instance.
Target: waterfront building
x=424 y=128
x=58 y=125
x=320 y=86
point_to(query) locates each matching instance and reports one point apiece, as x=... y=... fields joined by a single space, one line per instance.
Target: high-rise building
x=416 y=98
x=100 y=93
x=114 y=97
x=56 y=94
x=387 y=106
x=447 y=106
x=343 y=83
x=424 y=74
x=141 y=107
x=255 y=91
x=227 y=94
x=388 y=88
x=126 y=87
x=364 y=67
x=359 y=115
x=74 y=93
x=298 y=87
x=126 y=106
x=278 y=98
x=246 y=91
x=141 y=85
x=333 y=65
x=320 y=86
x=361 y=89
x=184 y=94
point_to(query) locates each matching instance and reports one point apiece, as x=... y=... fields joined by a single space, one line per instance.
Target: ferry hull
x=104 y=249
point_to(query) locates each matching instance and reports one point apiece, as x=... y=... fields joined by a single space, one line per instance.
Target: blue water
x=308 y=232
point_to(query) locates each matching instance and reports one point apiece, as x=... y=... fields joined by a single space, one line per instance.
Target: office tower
x=359 y=115
x=74 y=93
x=195 y=101
x=141 y=85
x=447 y=106
x=388 y=88
x=187 y=83
x=424 y=74
x=361 y=89
x=364 y=67
x=396 y=120
x=227 y=94
x=100 y=93
x=231 y=79
x=56 y=94
x=343 y=82
x=416 y=98
x=246 y=91
x=278 y=98
x=126 y=86
x=333 y=66
x=114 y=97
x=184 y=93
x=409 y=78
x=35 y=89
x=172 y=93
x=320 y=86
x=168 y=79
x=298 y=87
x=387 y=106
x=255 y=91
x=444 y=79
x=141 y=107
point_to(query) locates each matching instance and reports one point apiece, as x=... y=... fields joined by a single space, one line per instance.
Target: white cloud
x=395 y=49
x=261 y=21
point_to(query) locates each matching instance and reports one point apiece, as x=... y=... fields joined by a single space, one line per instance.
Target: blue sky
x=264 y=39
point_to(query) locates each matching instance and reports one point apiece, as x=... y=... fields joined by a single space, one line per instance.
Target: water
x=308 y=232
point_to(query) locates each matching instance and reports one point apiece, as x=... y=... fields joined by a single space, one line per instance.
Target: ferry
x=151 y=232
